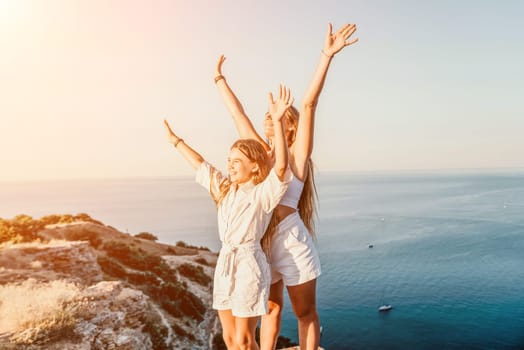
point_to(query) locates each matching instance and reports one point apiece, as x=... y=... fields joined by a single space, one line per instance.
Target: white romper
x=242 y=275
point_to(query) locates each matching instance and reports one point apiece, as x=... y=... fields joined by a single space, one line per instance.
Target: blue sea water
x=448 y=249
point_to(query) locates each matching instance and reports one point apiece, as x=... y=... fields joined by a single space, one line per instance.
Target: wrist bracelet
x=325 y=54
x=219 y=77
x=177 y=142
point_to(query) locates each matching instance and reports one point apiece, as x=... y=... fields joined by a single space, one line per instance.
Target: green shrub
x=171 y=294
x=132 y=257
x=147 y=235
x=22 y=228
x=111 y=268
x=50 y=219
x=84 y=235
x=85 y=217
x=142 y=278
x=178 y=301
x=67 y=218
x=183 y=244
x=202 y=261
x=194 y=273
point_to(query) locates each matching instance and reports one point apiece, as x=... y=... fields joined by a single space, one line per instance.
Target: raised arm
x=192 y=156
x=303 y=146
x=242 y=122
x=277 y=109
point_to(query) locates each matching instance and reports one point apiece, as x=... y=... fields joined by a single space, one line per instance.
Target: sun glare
x=11 y=11
x=5 y=8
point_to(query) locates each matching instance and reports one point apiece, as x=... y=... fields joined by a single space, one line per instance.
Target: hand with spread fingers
x=279 y=107
x=337 y=41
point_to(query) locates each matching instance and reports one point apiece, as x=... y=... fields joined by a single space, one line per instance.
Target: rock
x=93 y=313
x=72 y=261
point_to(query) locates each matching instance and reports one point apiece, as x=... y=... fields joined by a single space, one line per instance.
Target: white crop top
x=292 y=195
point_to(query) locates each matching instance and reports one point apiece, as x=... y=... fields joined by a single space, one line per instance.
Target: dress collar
x=245 y=187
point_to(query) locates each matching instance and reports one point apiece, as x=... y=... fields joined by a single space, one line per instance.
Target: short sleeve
x=209 y=177
x=271 y=190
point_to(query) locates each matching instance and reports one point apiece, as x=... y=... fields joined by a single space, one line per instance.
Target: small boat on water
x=370 y=245
x=385 y=308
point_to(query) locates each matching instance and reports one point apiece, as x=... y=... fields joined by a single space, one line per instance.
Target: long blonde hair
x=307 y=204
x=255 y=152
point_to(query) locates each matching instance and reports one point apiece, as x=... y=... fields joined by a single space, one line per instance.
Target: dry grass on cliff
x=34 y=244
x=36 y=312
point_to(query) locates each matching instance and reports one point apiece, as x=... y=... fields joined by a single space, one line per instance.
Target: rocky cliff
x=85 y=285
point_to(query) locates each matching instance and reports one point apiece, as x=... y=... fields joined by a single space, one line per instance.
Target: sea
x=445 y=249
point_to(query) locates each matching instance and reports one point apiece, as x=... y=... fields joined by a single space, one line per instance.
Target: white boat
x=385 y=308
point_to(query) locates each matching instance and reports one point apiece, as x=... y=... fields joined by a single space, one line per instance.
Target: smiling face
x=240 y=168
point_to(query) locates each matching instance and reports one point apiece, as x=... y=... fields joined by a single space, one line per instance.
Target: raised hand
x=284 y=101
x=192 y=156
x=173 y=139
x=335 y=42
x=218 y=70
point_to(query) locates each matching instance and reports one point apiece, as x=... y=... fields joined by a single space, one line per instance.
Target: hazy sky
x=84 y=85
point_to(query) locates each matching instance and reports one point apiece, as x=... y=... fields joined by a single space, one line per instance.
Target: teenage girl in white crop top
x=293 y=256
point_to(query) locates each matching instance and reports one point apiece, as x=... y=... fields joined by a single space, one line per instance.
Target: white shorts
x=294 y=257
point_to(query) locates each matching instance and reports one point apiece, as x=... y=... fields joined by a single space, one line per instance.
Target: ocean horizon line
x=517 y=170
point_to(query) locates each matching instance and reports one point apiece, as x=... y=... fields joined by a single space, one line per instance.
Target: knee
x=306 y=313
x=244 y=341
x=229 y=340
x=274 y=309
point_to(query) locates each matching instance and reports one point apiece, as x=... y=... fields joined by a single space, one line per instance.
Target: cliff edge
x=84 y=285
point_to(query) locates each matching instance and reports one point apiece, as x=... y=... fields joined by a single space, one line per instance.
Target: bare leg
x=303 y=299
x=245 y=332
x=270 y=325
x=228 y=328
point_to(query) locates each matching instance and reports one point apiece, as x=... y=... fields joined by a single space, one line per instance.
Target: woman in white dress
x=245 y=201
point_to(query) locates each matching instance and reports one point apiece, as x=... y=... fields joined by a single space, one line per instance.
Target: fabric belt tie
x=230 y=252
